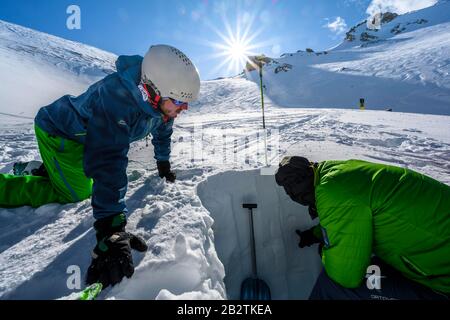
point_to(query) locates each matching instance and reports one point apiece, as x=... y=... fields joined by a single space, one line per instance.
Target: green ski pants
x=66 y=183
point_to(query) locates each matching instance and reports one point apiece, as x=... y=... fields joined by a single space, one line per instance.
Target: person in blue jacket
x=84 y=143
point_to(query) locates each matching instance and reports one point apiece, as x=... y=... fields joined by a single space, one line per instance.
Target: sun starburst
x=237 y=44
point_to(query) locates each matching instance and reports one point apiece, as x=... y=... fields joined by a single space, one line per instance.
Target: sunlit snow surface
x=196 y=229
x=178 y=220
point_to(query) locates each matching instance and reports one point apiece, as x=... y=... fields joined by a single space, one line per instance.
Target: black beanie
x=296 y=176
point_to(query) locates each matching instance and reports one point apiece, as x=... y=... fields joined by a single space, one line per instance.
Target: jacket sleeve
x=348 y=244
x=161 y=141
x=106 y=160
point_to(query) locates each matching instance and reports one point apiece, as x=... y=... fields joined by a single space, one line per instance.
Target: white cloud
x=276 y=49
x=398 y=6
x=338 y=26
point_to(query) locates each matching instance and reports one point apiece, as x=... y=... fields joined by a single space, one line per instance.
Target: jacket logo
x=143 y=92
x=122 y=123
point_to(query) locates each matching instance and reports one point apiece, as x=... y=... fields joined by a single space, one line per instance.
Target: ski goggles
x=181 y=104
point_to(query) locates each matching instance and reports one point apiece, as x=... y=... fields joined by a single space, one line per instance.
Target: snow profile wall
x=289 y=271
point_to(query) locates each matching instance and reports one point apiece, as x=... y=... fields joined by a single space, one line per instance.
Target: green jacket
x=401 y=216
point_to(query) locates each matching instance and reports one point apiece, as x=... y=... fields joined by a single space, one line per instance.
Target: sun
x=237 y=51
x=234 y=50
x=237 y=44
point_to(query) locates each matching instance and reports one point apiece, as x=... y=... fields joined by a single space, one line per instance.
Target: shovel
x=253 y=288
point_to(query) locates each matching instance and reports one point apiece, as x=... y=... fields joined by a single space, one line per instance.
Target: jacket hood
x=123 y=63
x=129 y=71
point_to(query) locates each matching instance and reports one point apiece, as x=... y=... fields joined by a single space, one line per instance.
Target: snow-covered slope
x=196 y=229
x=36 y=68
x=404 y=66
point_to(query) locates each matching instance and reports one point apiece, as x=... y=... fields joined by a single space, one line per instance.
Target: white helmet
x=171 y=74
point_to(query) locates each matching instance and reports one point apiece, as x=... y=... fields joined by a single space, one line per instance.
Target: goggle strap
x=154 y=99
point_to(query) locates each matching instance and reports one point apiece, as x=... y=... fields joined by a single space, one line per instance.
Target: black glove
x=111 y=257
x=307 y=238
x=164 y=171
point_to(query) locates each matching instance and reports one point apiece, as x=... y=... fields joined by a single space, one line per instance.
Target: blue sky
x=130 y=27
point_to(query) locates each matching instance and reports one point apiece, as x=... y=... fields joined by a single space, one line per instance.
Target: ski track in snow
x=37 y=245
x=196 y=230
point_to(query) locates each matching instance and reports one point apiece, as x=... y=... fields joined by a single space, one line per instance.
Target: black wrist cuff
x=109 y=225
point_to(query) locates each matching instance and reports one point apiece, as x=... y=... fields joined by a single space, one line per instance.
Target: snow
x=196 y=228
x=408 y=72
x=289 y=272
x=37 y=68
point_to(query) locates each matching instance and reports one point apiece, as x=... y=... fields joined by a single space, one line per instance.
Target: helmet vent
x=182 y=56
x=183 y=95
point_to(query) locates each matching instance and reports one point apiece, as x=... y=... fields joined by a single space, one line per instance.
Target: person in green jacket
x=368 y=209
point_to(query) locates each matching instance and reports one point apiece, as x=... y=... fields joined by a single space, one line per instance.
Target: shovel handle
x=250 y=207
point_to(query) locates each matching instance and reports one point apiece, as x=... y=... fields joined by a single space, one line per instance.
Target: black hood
x=296 y=176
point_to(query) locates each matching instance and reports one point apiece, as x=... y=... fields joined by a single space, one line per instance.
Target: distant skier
x=362 y=104
x=84 y=141
x=364 y=208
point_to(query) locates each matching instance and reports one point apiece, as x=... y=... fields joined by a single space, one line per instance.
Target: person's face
x=170 y=109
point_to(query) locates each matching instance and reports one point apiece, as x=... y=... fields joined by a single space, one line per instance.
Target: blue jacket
x=110 y=115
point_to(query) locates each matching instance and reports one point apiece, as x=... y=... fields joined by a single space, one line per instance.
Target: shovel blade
x=255 y=289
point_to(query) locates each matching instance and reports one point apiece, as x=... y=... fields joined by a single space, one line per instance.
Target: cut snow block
x=268 y=171
x=289 y=271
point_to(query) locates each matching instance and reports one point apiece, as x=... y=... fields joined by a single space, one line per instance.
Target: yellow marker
x=361 y=104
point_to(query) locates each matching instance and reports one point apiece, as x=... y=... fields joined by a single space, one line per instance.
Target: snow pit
x=289 y=271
